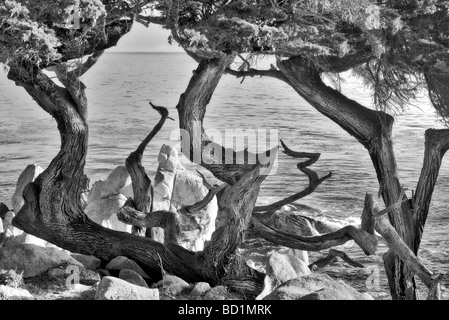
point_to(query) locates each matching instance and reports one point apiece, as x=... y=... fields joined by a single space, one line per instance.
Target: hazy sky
x=142 y=39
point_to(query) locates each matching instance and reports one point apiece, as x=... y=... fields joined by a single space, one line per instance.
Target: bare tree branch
x=141 y=183
x=256 y=73
x=366 y=241
x=314 y=181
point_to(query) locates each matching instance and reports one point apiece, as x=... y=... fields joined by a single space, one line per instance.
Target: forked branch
x=141 y=183
x=314 y=180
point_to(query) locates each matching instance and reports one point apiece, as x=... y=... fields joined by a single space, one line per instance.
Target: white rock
x=311 y=287
x=104 y=212
x=26 y=238
x=28 y=175
x=9 y=228
x=10 y=292
x=164 y=178
x=300 y=254
x=118 y=182
x=189 y=189
x=95 y=192
x=111 y=288
x=281 y=268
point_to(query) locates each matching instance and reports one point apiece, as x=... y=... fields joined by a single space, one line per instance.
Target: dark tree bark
x=141 y=183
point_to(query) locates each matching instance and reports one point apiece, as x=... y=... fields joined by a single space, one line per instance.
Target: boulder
x=95 y=192
x=200 y=289
x=111 y=288
x=163 y=184
x=1 y=226
x=10 y=293
x=86 y=277
x=104 y=212
x=220 y=293
x=118 y=182
x=80 y=288
x=28 y=175
x=89 y=277
x=33 y=260
x=300 y=254
x=25 y=238
x=295 y=289
x=172 y=285
x=89 y=262
x=119 y=263
x=56 y=273
x=132 y=277
x=281 y=268
x=189 y=189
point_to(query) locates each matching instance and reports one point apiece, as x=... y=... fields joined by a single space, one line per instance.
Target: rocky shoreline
x=31 y=272
x=34 y=269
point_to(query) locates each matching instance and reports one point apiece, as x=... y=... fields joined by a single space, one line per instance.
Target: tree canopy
x=39 y=34
x=393 y=45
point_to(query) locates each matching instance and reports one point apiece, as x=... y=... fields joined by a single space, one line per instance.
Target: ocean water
x=119 y=89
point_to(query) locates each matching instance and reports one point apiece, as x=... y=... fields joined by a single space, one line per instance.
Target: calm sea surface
x=119 y=89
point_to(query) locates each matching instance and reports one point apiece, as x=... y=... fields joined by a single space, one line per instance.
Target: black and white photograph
x=224 y=158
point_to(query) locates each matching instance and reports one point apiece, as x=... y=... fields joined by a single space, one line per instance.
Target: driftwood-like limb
x=314 y=181
x=367 y=242
x=141 y=183
x=331 y=257
x=397 y=245
x=436 y=145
